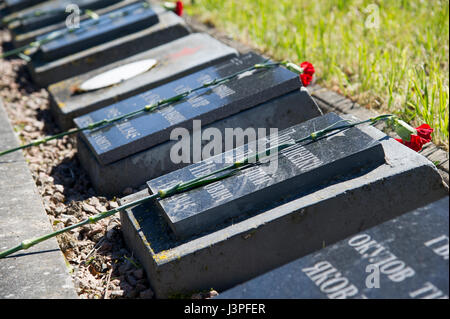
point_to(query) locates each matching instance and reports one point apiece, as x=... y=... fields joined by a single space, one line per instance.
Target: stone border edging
x=41 y=271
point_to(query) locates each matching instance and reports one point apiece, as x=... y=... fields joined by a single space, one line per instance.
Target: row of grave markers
x=348 y=189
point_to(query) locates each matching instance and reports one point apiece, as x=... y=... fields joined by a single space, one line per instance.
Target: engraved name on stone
x=168 y=112
x=217 y=190
x=381 y=257
x=439 y=245
x=331 y=282
x=428 y=291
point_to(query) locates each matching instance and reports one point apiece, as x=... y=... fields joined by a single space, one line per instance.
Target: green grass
x=400 y=67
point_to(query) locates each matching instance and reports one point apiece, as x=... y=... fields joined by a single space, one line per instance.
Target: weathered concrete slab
x=296 y=170
x=169 y=28
x=39 y=272
x=50 y=12
x=242 y=249
x=20 y=38
x=406 y=257
x=119 y=140
x=175 y=59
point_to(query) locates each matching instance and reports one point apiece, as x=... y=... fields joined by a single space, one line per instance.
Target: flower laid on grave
x=305 y=70
x=161 y=103
x=209 y=178
x=179 y=8
x=413 y=138
x=176 y=7
x=308 y=72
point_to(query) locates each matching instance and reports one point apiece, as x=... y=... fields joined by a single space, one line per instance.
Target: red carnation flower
x=176 y=7
x=415 y=143
x=179 y=8
x=306 y=79
x=424 y=131
x=307 y=74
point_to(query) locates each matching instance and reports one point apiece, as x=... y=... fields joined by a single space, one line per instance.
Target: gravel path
x=100 y=264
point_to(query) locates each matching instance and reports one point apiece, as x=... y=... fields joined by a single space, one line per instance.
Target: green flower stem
x=179 y=188
x=93 y=219
x=15 y=51
x=41 y=141
x=145 y=109
x=36 y=44
x=37 y=13
x=206 y=179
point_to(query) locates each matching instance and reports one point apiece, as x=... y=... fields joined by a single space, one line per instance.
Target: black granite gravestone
x=297 y=170
x=14 y=5
x=174 y=60
x=406 y=257
x=51 y=12
x=135 y=170
x=20 y=38
x=170 y=27
x=143 y=131
x=107 y=27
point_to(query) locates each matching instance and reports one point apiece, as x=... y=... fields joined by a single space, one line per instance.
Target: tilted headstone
x=50 y=12
x=170 y=27
x=292 y=172
x=109 y=26
x=174 y=60
x=406 y=257
x=123 y=154
x=244 y=247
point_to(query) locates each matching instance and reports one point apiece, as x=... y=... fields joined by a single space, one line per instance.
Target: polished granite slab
x=406 y=257
x=175 y=59
x=129 y=136
x=289 y=173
